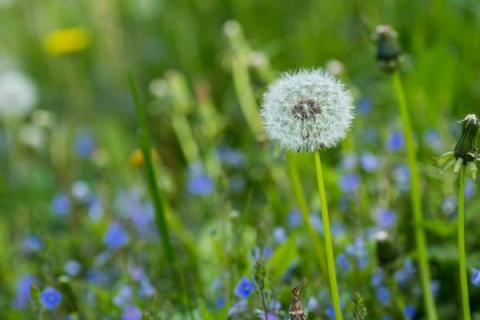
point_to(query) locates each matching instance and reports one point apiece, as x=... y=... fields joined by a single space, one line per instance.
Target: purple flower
x=115 y=237
x=50 y=298
x=84 y=144
x=22 y=297
x=220 y=302
x=475 y=278
x=395 y=141
x=132 y=313
x=349 y=183
x=385 y=218
x=61 y=204
x=244 y=288
x=369 y=162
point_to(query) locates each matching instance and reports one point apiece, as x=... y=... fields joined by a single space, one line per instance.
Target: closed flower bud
x=389 y=52
x=466 y=147
x=387 y=252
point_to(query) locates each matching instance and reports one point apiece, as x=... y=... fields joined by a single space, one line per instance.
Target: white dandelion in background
x=18 y=94
x=308 y=110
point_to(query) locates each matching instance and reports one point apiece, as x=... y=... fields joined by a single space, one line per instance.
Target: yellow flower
x=67 y=41
x=136 y=157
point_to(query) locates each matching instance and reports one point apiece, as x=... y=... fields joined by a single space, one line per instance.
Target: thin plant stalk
x=462 y=261
x=154 y=190
x=302 y=203
x=332 y=277
x=415 y=196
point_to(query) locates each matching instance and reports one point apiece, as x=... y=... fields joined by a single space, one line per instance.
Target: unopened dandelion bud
x=389 y=51
x=387 y=252
x=466 y=147
x=307 y=110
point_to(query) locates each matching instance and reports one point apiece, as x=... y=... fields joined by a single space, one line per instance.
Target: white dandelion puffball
x=307 y=110
x=17 y=94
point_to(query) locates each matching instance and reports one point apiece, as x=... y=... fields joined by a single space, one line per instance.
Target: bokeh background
x=75 y=212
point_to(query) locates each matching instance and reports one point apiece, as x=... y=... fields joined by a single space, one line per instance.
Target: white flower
x=17 y=94
x=307 y=110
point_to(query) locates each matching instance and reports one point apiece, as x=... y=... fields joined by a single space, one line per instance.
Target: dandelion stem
x=462 y=263
x=332 y=277
x=415 y=199
x=302 y=203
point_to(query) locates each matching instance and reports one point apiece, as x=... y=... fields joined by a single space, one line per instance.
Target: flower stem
x=415 y=199
x=332 y=277
x=302 y=203
x=462 y=261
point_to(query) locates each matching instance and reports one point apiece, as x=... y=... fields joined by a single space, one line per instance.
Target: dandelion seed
x=307 y=111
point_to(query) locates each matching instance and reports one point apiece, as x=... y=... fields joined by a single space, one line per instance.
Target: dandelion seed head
x=18 y=94
x=307 y=110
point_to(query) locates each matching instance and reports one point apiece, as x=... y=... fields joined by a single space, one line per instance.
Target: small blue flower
x=22 y=296
x=475 y=278
x=364 y=106
x=72 y=268
x=432 y=140
x=369 y=162
x=50 y=298
x=395 y=141
x=377 y=278
x=199 y=183
x=115 y=237
x=330 y=312
x=401 y=175
x=348 y=162
x=238 y=307
x=132 y=313
x=220 y=302
x=244 y=288
x=469 y=189
x=383 y=295
x=449 y=205
x=146 y=288
x=95 y=208
x=84 y=144
x=294 y=218
x=123 y=296
x=279 y=234
x=385 y=218
x=342 y=262
x=349 y=183
x=61 y=204
x=410 y=312
x=32 y=244
x=231 y=157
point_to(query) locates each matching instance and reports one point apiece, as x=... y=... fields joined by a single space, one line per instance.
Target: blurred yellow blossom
x=66 y=41
x=136 y=157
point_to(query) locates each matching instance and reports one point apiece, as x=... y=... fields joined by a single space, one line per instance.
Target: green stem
x=415 y=195
x=462 y=260
x=184 y=134
x=302 y=203
x=332 y=277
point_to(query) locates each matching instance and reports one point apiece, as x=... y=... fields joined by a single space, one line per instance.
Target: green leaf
x=283 y=257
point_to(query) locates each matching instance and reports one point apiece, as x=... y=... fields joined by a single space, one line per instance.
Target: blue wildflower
x=199 y=183
x=50 y=298
x=60 y=204
x=316 y=222
x=475 y=278
x=97 y=277
x=115 y=237
x=22 y=296
x=337 y=228
x=84 y=144
x=385 y=218
x=401 y=175
x=395 y=141
x=364 y=106
x=377 y=278
x=432 y=140
x=369 y=162
x=330 y=312
x=81 y=191
x=294 y=218
x=383 y=294
x=349 y=183
x=342 y=262
x=95 y=209
x=32 y=244
x=469 y=189
x=123 y=296
x=279 y=234
x=449 y=205
x=410 y=312
x=238 y=307
x=244 y=288
x=146 y=288
x=231 y=157
x=220 y=302
x=72 y=268
x=348 y=162
x=132 y=313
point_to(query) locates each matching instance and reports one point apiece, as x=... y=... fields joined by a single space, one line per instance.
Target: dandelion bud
x=387 y=253
x=466 y=147
x=389 y=52
x=307 y=111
